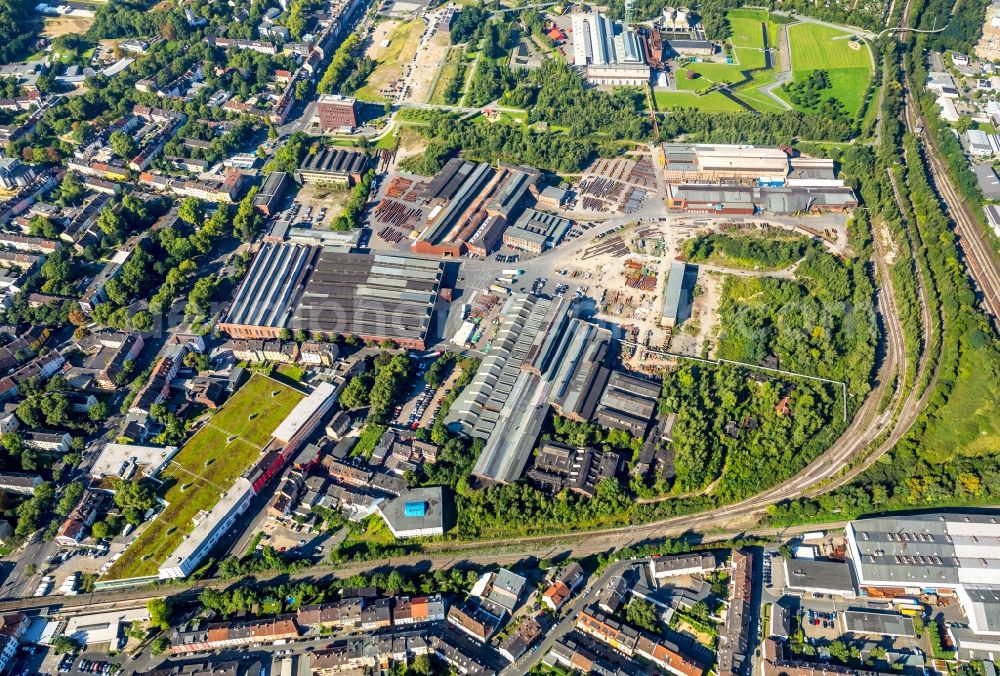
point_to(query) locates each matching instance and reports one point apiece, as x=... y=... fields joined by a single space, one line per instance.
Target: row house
x=28 y=243
x=199 y=636
x=157 y=387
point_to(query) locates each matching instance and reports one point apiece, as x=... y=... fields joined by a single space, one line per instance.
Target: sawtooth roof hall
x=373 y=296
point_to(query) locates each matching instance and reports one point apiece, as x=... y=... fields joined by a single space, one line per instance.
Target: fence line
x=718 y=362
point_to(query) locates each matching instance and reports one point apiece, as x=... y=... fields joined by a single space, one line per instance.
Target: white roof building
x=933 y=552
x=209 y=529
x=123 y=460
x=949 y=113
x=304 y=410
x=102 y=627
x=978 y=143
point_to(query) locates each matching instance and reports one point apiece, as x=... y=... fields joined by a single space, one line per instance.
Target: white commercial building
x=303 y=418
x=209 y=529
x=103 y=627
x=124 y=460
x=935 y=554
x=611 y=54
x=978 y=143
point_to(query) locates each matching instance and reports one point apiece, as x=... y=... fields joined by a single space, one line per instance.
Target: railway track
x=980 y=259
x=871 y=424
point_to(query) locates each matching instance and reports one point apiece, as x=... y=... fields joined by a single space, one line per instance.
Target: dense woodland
x=18 y=28
x=951 y=456
x=767 y=249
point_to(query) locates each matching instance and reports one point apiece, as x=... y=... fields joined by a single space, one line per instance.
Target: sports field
x=815 y=47
x=205 y=468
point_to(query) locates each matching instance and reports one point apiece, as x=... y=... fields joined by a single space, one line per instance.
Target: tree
x=200 y=297
x=159 y=612
x=98 y=411
x=134 y=499
x=839 y=652
x=355 y=394
x=71 y=495
x=642 y=614
x=248 y=220
x=422 y=666
x=191 y=210
x=65 y=644
x=123 y=145
x=159 y=645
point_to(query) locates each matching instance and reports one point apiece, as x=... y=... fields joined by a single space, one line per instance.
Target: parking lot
x=70 y=664
x=422 y=402
x=315 y=206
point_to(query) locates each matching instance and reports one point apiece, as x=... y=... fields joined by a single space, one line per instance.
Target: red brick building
x=336 y=112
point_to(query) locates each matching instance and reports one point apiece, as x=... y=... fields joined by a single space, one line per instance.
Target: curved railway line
x=885 y=415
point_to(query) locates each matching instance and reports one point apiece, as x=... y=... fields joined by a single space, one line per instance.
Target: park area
x=752 y=32
x=205 y=467
x=848 y=62
x=812 y=47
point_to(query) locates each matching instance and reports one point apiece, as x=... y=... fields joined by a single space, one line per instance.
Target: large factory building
x=610 y=54
x=302 y=287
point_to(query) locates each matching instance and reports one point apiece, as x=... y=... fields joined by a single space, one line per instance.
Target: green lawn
x=753 y=95
x=748 y=42
x=205 y=468
x=713 y=73
x=817 y=47
x=712 y=102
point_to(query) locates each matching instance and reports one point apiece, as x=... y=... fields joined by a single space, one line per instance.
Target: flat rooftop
x=813 y=575
x=370 y=295
x=884 y=624
x=402 y=515
x=116 y=458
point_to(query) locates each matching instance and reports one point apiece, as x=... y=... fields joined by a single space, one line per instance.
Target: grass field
x=815 y=47
x=708 y=74
x=206 y=467
x=753 y=95
x=392 y=60
x=967 y=424
x=712 y=102
x=446 y=73
x=748 y=42
x=747 y=39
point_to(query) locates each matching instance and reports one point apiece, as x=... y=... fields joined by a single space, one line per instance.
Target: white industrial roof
x=302 y=411
x=102 y=627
